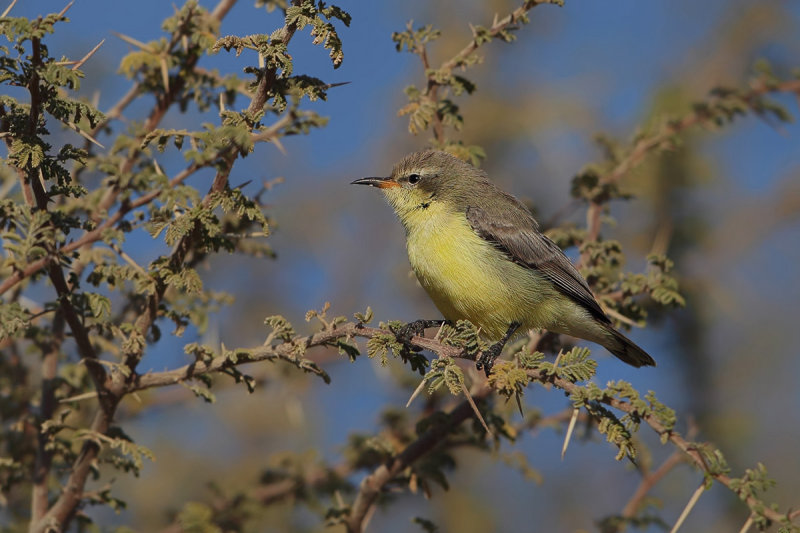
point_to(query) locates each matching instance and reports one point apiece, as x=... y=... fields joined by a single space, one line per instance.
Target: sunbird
x=480 y=256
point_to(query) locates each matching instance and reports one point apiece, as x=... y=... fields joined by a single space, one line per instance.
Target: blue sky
x=603 y=58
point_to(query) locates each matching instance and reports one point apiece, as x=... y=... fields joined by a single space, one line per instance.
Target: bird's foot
x=487 y=358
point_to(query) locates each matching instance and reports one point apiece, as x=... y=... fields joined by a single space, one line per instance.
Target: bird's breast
x=468 y=278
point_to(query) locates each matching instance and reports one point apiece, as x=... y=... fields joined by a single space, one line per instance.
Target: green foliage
x=79 y=313
x=413 y=40
x=463 y=335
x=13 y=319
x=126 y=455
x=574 y=365
x=381 y=344
x=509 y=379
x=197 y=517
x=444 y=371
x=754 y=482
x=28 y=238
x=619 y=431
x=74 y=230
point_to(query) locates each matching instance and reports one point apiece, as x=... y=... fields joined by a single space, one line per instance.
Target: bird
x=479 y=254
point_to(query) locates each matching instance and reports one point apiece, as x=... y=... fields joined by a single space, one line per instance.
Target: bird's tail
x=626 y=349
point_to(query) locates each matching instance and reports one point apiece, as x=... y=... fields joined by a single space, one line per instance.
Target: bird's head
x=425 y=179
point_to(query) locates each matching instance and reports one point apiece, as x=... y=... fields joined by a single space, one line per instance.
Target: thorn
x=279 y=145
x=475 y=408
x=519 y=405
x=689 y=506
x=221 y=103
x=747 y=524
x=66 y=8
x=158 y=168
x=416 y=392
x=164 y=72
x=570 y=428
x=128 y=259
x=85 y=58
x=339 y=499
x=260 y=61
x=8 y=9
x=619 y=316
x=84 y=134
x=338 y=84
x=79 y=397
x=558 y=359
x=439 y=331
x=134 y=42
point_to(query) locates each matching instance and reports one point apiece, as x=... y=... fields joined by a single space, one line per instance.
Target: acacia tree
x=79 y=313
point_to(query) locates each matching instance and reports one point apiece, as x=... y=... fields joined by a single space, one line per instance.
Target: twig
x=649 y=481
x=95 y=234
x=497 y=27
x=432 y=85
x=352 y=330
x=372 y=486
x=674 y=437
x=644 y=145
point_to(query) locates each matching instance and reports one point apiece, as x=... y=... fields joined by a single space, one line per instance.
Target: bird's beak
x=381 y=183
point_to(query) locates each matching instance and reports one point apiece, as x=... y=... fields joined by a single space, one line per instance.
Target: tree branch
x=645 y=145
x=460 y=58
x=688 y=448
x=495 y=30
x=41 y=470
x=372 y=485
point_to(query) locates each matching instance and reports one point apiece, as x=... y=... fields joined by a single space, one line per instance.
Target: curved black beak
x=381 y=183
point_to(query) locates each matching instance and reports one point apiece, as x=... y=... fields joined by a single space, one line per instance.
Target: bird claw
x=487 y=357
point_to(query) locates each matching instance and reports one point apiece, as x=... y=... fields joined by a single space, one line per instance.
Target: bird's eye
x=414 y=178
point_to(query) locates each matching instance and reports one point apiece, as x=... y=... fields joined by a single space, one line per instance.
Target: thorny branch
x=62 y=510
x=372 y=486
x=109 y=394
x=460 y=59
x=663 y=137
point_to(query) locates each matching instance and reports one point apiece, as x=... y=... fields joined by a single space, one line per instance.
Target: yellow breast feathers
x=462 y=274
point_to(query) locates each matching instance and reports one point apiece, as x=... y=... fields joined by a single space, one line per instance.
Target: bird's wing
x=512 y=229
